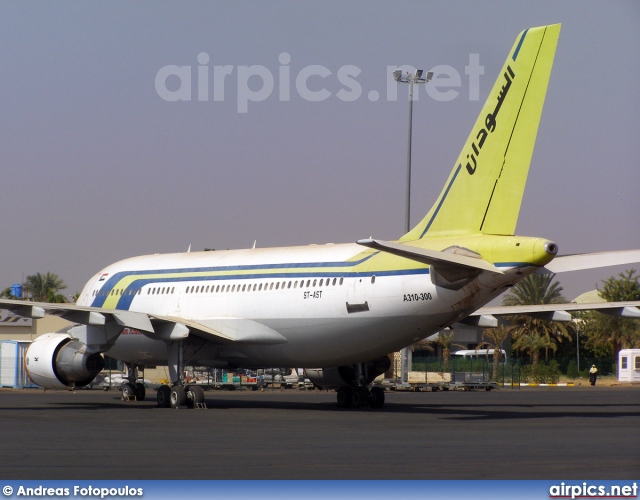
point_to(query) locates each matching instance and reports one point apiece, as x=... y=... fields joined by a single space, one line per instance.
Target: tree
x=495 y=337
x=45 y=287
x=606 y=334
x=537 y=289
x=532 y=344
x=445 y=341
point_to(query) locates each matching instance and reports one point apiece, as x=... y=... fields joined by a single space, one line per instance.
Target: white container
x=12 y=372
x=629 y=365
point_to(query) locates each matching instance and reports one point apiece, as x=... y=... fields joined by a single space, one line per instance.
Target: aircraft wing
x=579 y=262
x=486 y=316
x=219 y=330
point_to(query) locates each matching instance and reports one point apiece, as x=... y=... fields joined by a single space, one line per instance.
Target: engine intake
x=58 y=361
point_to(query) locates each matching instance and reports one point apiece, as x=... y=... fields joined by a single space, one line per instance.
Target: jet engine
x=58 y=361
x=349 y=375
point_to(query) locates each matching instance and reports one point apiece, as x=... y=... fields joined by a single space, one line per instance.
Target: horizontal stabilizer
x=444 y=260
x=579 y=262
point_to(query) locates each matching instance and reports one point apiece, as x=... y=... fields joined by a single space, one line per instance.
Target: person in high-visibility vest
x=593 y=374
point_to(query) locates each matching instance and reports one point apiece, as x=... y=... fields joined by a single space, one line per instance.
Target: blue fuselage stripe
x=128 y=294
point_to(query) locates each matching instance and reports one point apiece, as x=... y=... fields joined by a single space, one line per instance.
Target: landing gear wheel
x=128 y=391
x=178 y=396
x=345 y=397
x=376 y=397
x=163 y=399
x=359 y=397
x=140 y=391
x=195 y=396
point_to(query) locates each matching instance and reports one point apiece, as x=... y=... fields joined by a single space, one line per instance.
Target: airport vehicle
x=479 y=353
x=337 y=309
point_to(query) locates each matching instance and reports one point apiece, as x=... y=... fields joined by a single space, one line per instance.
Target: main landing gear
x=356 y=392
x=181 y=396
x=357 y=397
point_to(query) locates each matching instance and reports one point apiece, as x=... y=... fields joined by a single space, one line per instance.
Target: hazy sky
x=99 y=164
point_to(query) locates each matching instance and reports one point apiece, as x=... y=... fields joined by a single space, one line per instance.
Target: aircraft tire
x=376 y=397
x=163 y=399
x=345 y=397
x=178 y=396
x=196 y=395
x=128 y=391
x=141 y=392
x=360 y=397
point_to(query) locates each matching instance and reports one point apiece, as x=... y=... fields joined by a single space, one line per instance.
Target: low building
x=629 y=365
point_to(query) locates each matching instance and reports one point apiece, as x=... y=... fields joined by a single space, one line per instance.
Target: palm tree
x=606 y=335
x=495 y=337
x=532 y=344
x=445 y=340
x=537 y=289
x=45 y=287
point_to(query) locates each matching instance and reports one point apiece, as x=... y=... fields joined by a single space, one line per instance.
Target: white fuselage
x=334 y=304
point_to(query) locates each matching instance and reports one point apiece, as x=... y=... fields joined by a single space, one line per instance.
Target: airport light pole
x=416 y=77
x=410 y=79
x=576 y=321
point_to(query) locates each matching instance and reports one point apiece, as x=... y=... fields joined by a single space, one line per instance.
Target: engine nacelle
x=58 y=361
x=334 y=378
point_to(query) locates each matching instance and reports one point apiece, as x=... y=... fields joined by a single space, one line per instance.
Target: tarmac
x=521 y=433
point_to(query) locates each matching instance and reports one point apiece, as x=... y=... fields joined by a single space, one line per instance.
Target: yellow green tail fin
x=485 y=188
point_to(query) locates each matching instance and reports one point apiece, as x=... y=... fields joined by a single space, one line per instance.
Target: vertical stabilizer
x=485 y=188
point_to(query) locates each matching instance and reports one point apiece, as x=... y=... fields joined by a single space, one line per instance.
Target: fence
x=513 y=371
x=473 y=369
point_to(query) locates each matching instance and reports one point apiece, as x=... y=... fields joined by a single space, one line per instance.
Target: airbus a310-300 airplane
x=336 y=310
